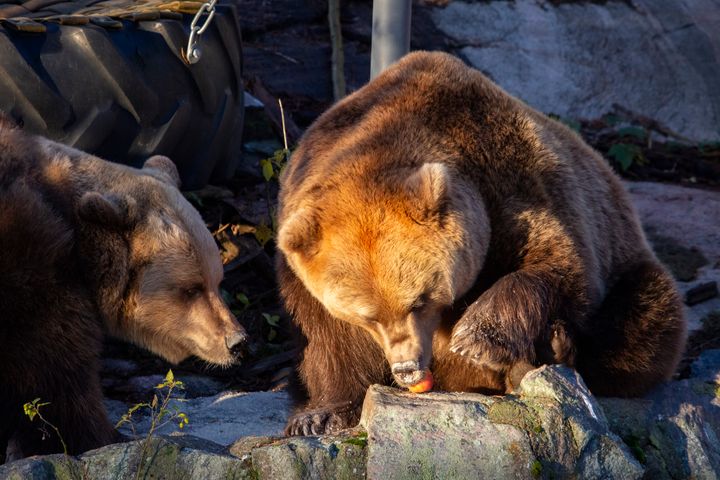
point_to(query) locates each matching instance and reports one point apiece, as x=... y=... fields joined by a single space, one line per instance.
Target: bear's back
x=431 y=107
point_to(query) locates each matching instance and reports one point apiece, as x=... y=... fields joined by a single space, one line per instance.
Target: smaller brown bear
x=432 y=222
x=88 y=246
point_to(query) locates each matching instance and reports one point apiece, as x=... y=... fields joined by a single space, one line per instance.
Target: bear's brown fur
x=431 y=220
x=86 y=246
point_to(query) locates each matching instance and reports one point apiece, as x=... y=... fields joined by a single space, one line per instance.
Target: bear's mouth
x=408 y=373
x=410 y=379
x=221 y=357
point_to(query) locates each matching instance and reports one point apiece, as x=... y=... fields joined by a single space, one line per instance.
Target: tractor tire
x=114 y=83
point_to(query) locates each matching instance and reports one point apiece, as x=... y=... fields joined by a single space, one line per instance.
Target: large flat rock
x=221 y=418
x=554 y=428
x=660 y=58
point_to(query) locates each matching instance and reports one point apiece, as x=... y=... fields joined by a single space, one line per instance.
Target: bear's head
x=155 y=265
x=389 y=252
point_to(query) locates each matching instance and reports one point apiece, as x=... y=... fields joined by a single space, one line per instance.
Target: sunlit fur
x=430 y=217
x=88 y=247
x=358 y=272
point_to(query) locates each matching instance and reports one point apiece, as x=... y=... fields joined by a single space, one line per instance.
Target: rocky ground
x=649 y=132
x=552 y=427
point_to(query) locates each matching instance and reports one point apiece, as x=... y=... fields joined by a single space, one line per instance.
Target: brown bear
x=88 y=246
x=432 y=221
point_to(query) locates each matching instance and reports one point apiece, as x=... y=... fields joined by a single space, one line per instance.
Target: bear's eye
x=419 y=303
x=192 y=292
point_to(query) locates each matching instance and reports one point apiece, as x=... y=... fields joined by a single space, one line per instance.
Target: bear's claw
x=321 y=421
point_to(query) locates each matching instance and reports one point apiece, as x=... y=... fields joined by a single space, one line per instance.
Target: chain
x=193 y=49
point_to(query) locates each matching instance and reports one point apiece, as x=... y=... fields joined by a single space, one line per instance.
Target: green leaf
x=29 y=410
x=272 y=320
x=267 y=169
x=572 y=124
x=624 y=154
x=135 y=407
x=637 y=132
x=279 y=156
x=194 y=198
x=227 y=298
x=263 y=234
x=612 y=119
x=242 y=298
x=272 y=334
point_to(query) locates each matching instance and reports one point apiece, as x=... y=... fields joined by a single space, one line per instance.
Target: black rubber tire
x=125 y=94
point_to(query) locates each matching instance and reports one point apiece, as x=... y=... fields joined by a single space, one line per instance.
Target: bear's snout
x=237 y=343
x=408 y=372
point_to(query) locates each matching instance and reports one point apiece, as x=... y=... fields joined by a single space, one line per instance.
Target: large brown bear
x=431 y=220
x=86 y=246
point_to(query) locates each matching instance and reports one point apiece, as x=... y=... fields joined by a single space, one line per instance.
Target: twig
x=284 y=131
x=258 y=90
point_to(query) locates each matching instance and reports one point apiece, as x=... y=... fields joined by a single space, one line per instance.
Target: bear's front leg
x=500 y=328
x=338 y=362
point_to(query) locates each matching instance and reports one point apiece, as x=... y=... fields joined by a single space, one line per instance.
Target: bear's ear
x=429 y=186
x=300 y=233
x=109 y=210
x=163 y=168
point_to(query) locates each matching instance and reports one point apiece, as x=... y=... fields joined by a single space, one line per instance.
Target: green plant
x=536 y=469
x=360 y=439
x=636 y=448
x=625 y=154
x=272 y=169
x=273 y=321
x=243 y=299
x=568 y=122
x=633 y=131
x=32 y=410
x=160 y=411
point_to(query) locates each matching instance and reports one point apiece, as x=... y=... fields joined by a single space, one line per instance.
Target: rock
x=554 y=428
x=298 y=458
x=157 y=458
x=225 y=417
x=659 y=58
x=440 y=435
x=201 y=386
x=706 y=368
x=675 y=429
x=48 y=467
x=551 y=428
x=700 y=293
x=119 y=366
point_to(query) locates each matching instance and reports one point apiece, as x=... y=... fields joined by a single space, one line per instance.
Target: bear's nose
x=407 y=373
x=237 y=343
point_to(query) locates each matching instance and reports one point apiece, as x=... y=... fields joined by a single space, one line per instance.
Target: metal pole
x=390 y=33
